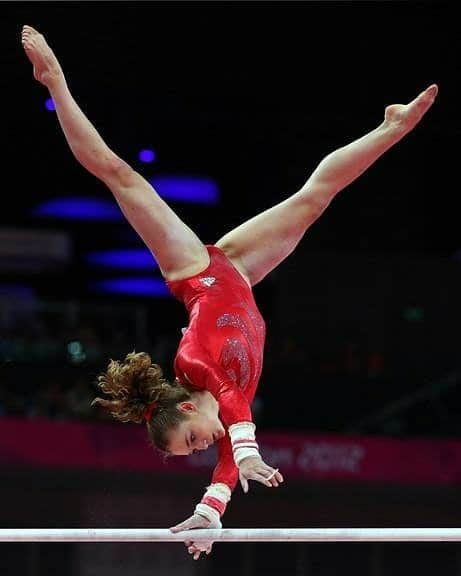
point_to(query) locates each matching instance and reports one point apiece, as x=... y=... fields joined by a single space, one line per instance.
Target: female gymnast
x=219 y=359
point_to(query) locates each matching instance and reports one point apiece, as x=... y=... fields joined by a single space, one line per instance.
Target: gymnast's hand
x=194 y=522
x=254 y=468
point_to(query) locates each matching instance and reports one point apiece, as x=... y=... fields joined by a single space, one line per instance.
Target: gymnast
x=219 y=359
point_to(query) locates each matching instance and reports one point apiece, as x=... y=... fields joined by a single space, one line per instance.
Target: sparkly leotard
x=222 y=349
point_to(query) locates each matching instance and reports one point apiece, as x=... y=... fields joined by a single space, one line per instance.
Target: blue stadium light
x=186 y=189
x=79 y=208
x=133 y=286
x=16 y=291
x=128 y=258
x=175 y=188
x=49 y=105
x=146 y=156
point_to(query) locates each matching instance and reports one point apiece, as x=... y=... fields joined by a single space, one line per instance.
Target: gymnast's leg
x=176 y=248
x=257 y=246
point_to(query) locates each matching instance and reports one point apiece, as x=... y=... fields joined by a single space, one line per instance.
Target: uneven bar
x=232 y=535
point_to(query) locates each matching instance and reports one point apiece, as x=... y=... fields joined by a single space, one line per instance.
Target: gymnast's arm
x=238 y=451
x=210 y=509
x=195 y=364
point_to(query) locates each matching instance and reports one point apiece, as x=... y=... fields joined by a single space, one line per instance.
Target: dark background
x=255 y=94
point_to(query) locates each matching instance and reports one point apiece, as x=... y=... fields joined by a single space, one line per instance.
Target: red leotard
x=222 y=348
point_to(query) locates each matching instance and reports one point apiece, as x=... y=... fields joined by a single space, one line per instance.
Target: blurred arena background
x=227 y=107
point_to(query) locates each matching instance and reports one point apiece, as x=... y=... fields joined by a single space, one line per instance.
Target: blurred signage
x=304 y=457
x=27 y=250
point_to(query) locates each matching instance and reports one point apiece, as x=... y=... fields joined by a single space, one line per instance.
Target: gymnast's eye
x=192 y=438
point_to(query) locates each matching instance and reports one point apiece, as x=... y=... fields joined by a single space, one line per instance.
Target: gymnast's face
x=200 y=429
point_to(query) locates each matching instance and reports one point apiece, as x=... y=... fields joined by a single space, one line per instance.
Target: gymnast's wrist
x=215 y=500
x=243 y=440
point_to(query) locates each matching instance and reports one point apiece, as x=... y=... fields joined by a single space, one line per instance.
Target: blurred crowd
x=50 y=356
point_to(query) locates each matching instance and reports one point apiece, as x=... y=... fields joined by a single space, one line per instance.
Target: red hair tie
x=150 y=411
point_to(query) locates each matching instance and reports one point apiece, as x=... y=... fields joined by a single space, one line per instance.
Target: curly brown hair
x=134 y=385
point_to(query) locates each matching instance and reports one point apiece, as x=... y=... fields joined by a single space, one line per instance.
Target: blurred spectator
x=51 y=354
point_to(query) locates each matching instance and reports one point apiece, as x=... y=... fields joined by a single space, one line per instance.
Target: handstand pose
x=219 y=359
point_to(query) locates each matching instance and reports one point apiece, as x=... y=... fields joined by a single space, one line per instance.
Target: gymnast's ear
x=187 y=407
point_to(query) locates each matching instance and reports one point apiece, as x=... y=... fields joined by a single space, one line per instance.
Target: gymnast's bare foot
x=46 y=66
x=404 y=117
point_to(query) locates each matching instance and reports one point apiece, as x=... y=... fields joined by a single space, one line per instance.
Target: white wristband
x=209 y=513
x=217 y=496
x=243 y=440
x=220 y=491
x=242 y=431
